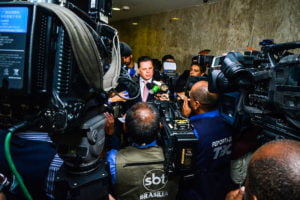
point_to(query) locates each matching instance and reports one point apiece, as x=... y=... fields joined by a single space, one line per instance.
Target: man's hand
x=110 y=123
x=236 y=194
x=162 y=97
x=110 y=197
x=116 y=98
x=186 y=110
x=2 y=196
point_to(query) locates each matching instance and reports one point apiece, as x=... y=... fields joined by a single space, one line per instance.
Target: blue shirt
x=212 y=158
x=214 y=113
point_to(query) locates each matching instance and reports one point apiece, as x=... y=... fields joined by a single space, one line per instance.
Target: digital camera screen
x=13 y=37
x=169 y=66
x=13 y=19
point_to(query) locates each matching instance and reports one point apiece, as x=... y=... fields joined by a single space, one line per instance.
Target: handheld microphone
x=152 y=88
x=155 y=86
x=163 y=87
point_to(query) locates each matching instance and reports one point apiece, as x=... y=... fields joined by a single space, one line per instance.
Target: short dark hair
x=275 y=178
x=201 y=67
x=168 y=56
x=144 y=59
x=125 y=49
x=142 y=122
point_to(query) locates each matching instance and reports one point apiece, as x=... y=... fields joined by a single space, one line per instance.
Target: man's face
x=195 y=70
x=146 y=70
x=127 y=60
x=193 y=104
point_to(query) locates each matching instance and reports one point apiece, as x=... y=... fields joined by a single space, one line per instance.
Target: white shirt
x=142 y=85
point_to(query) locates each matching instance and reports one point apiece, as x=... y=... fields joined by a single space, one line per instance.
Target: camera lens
x=219 y=83
x=232 y=66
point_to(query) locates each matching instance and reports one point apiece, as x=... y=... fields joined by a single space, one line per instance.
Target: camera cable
x=9 y=159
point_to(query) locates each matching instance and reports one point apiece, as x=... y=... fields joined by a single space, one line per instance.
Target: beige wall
x=223 y=26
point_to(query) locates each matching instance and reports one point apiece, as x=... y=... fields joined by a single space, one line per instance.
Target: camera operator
x=168 y=58
x=138 y=170
x=273 y=173
x=37 y=161
x=188 y=78
x=197 y=70
x=213 y=151
x=127 y=59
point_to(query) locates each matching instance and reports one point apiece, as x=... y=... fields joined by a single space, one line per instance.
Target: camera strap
x=83 y=44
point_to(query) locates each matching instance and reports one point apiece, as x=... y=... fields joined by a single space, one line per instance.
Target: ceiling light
x=126 y=8
x=135 y=23
x=116 y=9
x=175 y=18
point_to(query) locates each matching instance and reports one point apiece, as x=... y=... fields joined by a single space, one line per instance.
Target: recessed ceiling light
x=135 y=23
x=175 y=18
x=116 y=9
x=125 y=8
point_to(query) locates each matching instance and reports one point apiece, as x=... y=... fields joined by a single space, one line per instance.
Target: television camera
x=56 y=64
x=204 y=60
x=260 y=86
x=177 y=138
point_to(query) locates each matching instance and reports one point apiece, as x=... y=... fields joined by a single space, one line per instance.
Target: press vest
x=212 y=180
x=140 y=175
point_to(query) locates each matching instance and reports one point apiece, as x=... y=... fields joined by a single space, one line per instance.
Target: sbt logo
x=155 y=179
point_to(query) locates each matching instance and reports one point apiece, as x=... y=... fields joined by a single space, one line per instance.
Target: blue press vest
x=212 y=180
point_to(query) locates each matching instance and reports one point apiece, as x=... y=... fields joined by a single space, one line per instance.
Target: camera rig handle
x=271 y=50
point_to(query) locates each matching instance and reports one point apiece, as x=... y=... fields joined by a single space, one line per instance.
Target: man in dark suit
x=146 y=73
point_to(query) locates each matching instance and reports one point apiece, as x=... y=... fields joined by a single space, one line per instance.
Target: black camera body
x=43 y=73
x=177 y=138
x=51 y=80
x=263 y=87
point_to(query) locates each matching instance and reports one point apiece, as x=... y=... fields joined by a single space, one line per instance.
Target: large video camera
x=177 y=138
x=53 y=62
x=50 y=61
x=261 y=86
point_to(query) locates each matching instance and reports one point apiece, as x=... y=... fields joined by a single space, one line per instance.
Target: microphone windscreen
x=150 y=86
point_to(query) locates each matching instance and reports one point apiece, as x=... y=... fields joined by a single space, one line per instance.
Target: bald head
x=278 y=149
x=274 y=171
x=142 y=123
x=207 y=101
